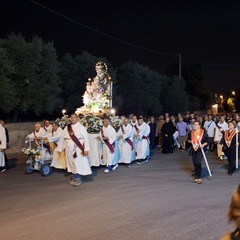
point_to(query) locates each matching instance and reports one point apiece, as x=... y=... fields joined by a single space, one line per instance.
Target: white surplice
x=80 y=164
x=126 y=150
x=3 y=145
x=108 y=157
x=142 y=144
x=59 y=159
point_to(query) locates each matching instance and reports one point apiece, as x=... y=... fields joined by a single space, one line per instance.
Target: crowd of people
x=136 y=137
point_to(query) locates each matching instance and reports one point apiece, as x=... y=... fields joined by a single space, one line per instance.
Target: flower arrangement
x=63 y=122
x=31 y=151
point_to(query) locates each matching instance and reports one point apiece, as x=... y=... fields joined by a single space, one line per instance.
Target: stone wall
x=17 y=134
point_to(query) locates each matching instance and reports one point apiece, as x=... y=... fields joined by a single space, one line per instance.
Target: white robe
x=48 y=129
x=80 y=164
x=43 y=151
x=218 y=135
x=3 y=145
x=142 y=145
x=108 y=158
x=59 y=159
x=126 y=150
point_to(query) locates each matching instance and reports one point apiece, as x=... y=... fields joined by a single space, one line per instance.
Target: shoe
x=129 y=166
x=106 y=170
x=115 y=167
x=144 y=161
x=3 y=170
x=77 y=182
x=198 y=181
x=72 y=181
x=139 y=163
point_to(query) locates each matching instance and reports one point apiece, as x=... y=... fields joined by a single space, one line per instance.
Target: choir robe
x=3 y=145
x=108 y=158
x=48 y=129
x=126 y=150
x=43 y=151
x=142 y=144
x=59 y=159
x=80 y=164
x=134 y=140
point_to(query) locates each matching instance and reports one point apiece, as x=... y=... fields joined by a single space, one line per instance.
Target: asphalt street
x=153 y=201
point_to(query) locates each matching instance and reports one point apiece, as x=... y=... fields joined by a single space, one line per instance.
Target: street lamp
x=233 y=93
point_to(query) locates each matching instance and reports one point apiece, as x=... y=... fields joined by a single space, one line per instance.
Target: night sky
x=206 y=32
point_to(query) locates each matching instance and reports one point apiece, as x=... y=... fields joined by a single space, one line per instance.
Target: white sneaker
x=139 y=163
x=3 y=170
x=115 y=167
x=106 y=170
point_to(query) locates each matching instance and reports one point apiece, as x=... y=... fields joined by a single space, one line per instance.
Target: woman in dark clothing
x=229 y=146
x=167 y=136
x=198 y=137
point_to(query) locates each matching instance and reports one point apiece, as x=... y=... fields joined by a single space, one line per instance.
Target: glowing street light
x=64 y=111
x=233 y=93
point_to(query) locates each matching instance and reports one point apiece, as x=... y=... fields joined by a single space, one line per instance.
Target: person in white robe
x=125 y=136
x=37 y=136
x=75 y=142
x=3 y=146
x=47 y=126
x=141 y=133
x=134 y=123
x=220 y=128
x=59 y=159
x=108 y=136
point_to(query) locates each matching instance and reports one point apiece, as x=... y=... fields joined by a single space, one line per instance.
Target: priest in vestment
x=141 y=134
x=125 y=136
x=75 y=142
x=108 y=136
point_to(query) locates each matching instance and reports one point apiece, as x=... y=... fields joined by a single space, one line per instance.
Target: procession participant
x=160 y=123
x=7 y=137
x=234 y=216
x=133 y=121
x=3 y=146
x=59 y=159
x=141 y=133
x=210 y=126
x=47 y=126
x=75 y=142
x=221 y=127
x=199 y=139
x=182 y=128
x=108 y=137
x=167 y=135
x=229 y=146
x=153 y=132
x=125 y=135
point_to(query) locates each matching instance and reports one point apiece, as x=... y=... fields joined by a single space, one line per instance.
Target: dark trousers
x=197 y=160
x=231 y=156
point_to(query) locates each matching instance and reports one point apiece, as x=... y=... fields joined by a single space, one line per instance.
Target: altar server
x=142 y=131
x=75 y=142
x=108 y=137
x=47 y=126
x=125 y=135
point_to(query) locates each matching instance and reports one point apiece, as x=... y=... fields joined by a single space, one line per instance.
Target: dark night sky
x=203 y=31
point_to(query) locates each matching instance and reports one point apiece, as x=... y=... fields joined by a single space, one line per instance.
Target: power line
x=102 y=33
x=128 y=43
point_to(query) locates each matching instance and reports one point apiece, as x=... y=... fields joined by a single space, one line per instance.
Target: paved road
x=150 y=202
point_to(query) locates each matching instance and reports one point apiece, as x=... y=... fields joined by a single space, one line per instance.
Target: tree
x=7 y=91
x=75 y=71
x=139 y=89
x=35 y=78
x=173 y=96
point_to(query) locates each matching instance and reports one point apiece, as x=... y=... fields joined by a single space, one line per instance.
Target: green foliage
x=35 y=77
x=139 y=89
x=173 y=96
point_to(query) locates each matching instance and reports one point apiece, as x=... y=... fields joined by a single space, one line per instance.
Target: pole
x=180 y=65
x=111 y=94
x=205 y=159
x=236 y=149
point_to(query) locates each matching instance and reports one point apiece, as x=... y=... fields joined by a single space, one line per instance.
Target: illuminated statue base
x=96 y=112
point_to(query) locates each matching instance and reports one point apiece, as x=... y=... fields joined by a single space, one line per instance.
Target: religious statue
x=98 y=94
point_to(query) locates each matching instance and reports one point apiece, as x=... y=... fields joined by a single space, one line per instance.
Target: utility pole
x=180 y=65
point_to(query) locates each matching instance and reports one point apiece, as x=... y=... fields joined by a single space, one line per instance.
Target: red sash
x=196 y=139
x=110 y=146
x=128 y=140
x=75 y=139
x=229 y=137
